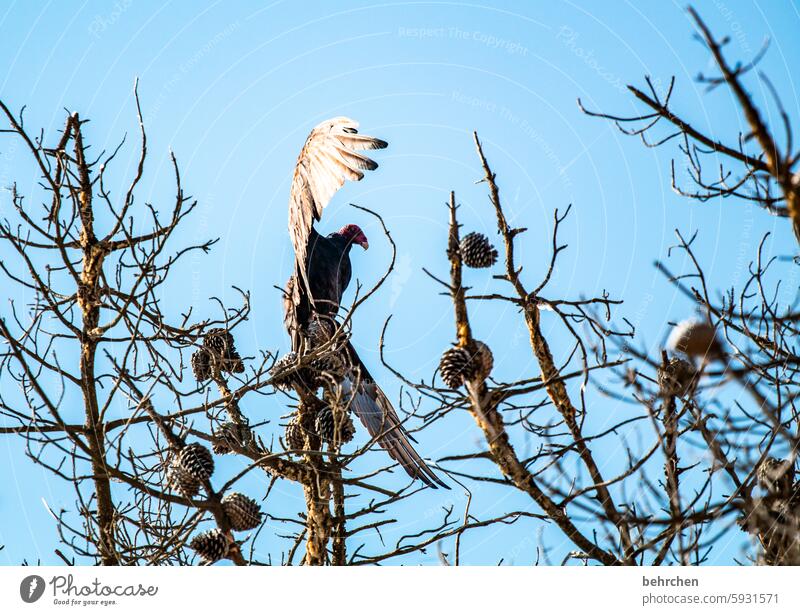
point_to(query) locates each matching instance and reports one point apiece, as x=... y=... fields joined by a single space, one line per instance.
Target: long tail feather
x=378 y=415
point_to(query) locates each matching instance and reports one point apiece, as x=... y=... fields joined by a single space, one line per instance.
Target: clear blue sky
x=234 y=87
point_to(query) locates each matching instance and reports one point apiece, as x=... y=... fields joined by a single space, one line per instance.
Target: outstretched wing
x=328 y=158
x=378 y=415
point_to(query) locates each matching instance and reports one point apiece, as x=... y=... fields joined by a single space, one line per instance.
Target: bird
x=322 y=272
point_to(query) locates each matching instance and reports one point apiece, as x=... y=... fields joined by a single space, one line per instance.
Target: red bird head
x=353 y=234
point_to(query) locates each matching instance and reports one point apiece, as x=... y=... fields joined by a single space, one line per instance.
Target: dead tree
x=691 y=469
x=696 y=471
x=660 y=483
x=164 y=393
x=755 y=448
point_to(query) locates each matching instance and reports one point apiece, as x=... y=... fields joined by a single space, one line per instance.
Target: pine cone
x=328 y=368
x=196 y=461
x=283 y=381
x=234 y=363
x=211 y=546
x=476 y=251
x=457 y=365
x=219 y=343
x=320 y=331
x=452 y=366
x=294 y=436
x=218 y=340
x=482 y=362
x=676 y=377
x=228 y=434
x=181 y=481
x=243 y=512
x=332 y=364
x=201 y=365
x=776 y=476
x=326 y=428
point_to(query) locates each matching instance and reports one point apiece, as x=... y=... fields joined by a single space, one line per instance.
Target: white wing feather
x=327 y=160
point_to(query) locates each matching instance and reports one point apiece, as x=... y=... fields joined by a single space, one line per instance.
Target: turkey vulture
x=322 y=272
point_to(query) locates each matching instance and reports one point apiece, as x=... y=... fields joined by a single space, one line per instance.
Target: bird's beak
x=364 y=244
